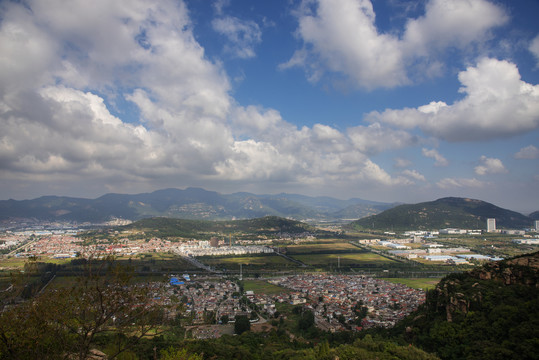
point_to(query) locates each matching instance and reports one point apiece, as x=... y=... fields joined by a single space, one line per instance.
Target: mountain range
x=449 y=212
x=191 y=203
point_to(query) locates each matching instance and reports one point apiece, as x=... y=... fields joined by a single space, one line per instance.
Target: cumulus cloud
x=376 y=138
x=402 y=163
x=450 y=23
x=242 y=35
x=489 y=166
x=370 y=58
x=494 y=93
x=455 y=183
x=439 y=160
x=375 y=59
x=413 y=174
x=64 y=65
x=140 y=51
x=528 y=152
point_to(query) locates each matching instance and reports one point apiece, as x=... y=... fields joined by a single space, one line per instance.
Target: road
x=197 y=263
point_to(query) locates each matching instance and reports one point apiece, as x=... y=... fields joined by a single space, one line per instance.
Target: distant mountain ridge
x=450 y=212
x=191 y=203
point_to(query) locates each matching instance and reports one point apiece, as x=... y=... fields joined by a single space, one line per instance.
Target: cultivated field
x=416 y=283
x=263 y=262
x=321 y=248
x=262 y=287
x=345 y=259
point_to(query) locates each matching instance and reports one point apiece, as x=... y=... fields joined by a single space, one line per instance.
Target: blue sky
x=394 y=100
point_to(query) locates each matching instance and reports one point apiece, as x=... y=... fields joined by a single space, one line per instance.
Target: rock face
x=458 y=294
x=491 y=312
x=522 y=270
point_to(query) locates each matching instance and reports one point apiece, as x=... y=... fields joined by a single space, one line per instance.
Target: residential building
x=491 y=225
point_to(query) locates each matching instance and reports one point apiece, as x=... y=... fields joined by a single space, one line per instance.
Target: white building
x=526 y=241
x=491 y=225
x=451 y=231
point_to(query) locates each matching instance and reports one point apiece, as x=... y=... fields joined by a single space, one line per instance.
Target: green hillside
x=488 y=313
x=269 y=225
x=443 y=213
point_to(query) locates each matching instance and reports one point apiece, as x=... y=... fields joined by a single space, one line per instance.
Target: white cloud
x=454 y=183
x=142 y=51
x=376 y=138
x=219 y=6
x=374 y=59
x=402 y=163
x=493 y=92
x=451 y=23
x=64 y=65
x=528 y=152
x=439 y=160
x=414 y=175
x=534 y=48
x=242 y=35
x=489 y=166
x=369 y=58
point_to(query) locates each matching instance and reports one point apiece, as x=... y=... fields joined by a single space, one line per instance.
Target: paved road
x=197 y=263
x=293 y=260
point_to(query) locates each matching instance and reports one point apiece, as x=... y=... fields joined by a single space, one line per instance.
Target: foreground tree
x=242 y=324
x=103 y=305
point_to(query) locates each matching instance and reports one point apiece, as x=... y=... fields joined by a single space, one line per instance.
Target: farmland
x=332 y=247
x=327 y=260
x=262 y=287
x=416 y=283
x=260 y=262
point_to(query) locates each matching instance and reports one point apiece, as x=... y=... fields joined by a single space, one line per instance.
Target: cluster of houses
x=333 y=298
x=208 y=302
x=199 y=250
x=66 y=246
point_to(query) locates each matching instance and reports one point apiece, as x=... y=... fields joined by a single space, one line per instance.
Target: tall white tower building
x=536 y=225
x=491 y=225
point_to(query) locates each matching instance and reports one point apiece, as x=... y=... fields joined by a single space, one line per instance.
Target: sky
x=385 y=100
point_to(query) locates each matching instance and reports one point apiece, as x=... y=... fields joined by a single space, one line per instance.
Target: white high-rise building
x=536 y=225
x=491 y=225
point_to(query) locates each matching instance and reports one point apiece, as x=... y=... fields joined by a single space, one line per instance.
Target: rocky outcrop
x=458 y=294
x=521 y=270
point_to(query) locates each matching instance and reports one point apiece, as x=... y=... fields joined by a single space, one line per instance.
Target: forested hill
x=489 y=313
x=269 y=225
x=443 y=213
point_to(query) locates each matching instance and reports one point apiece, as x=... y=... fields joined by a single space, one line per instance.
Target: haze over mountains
x=200 y=204
x=191 y=203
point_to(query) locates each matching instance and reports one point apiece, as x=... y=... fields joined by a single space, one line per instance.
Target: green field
x=345 y=259
x=262 y=287
x=157 y=263
x=17 y=263
x=416 y=283
x=321 y=248
x=234 y=262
